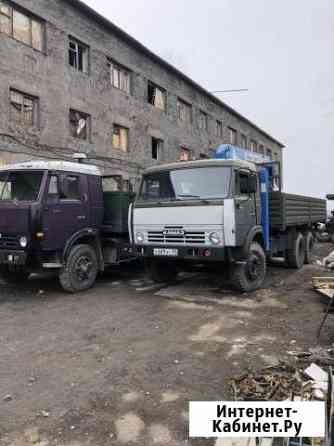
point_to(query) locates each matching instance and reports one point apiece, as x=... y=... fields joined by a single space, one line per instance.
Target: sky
x=281 y=51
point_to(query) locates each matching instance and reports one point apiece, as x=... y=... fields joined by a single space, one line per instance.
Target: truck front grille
x=188 y=237
x=9 y=242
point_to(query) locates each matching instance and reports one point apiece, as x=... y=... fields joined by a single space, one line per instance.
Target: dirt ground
x=117 y=365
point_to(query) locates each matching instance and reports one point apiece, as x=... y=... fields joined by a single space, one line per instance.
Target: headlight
x=23 y=242
x=140 y=237
x=214 y=238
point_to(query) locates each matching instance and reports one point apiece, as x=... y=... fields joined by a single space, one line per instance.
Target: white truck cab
x=224 y=211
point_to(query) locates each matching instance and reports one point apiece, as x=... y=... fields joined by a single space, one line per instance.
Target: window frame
x=64 y=177
x=203 y=118
x=243 y=141
x=121 y=127
x=162 y=90
x=88 y=125
x=35 y=109
x=160 y=146
x=186 y=106
x=115 y=66
x=253 y=146
x=232 y=131
x=85 y=54
x=219 y=128
x=32 y=18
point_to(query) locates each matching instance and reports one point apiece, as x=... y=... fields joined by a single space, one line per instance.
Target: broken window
x=120 y=139
x=243 y=141
x=23 y=108
x=21 y=26
x=156 y=96
x=185 y=154
x=232 y=133
x=261 y=149
x=119 y=77
x=184 y=111
x=219 y=129
x=37 y=35
x=269 y=154
x=157 y=147
x=6 y=23
x=79 y=125
x=78 y=55
x=203 y=121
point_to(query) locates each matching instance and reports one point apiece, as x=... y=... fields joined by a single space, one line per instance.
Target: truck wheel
x=81 y=269
x=296 y=253
x=13 y=276
x=161 y=272
x=249 y=276
x=309 y=245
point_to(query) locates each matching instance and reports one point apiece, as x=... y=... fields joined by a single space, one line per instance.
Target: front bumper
x=202 y=254
x=12 y=257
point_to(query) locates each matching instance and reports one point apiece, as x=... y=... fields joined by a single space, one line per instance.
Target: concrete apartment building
x=71 y=81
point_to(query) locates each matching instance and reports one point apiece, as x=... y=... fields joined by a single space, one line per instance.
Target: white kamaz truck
x=228 y=212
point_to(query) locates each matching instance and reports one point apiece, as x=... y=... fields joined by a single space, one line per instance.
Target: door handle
x=81 y=217
x=57 y=211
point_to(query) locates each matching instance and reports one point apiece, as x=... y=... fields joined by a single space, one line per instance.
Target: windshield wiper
x=195 y=197
x=188 y=196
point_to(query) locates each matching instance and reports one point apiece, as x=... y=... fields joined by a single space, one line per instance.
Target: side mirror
x=252 y=184
x=248 y=184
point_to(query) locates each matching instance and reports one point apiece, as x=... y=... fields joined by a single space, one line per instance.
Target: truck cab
x=226 y=212
x=52 y=217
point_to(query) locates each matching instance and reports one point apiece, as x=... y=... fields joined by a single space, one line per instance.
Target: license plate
x=166 y=252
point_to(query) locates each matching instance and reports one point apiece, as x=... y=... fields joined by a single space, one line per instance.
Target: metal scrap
x=319 y=355
x=325 y=286
x=279 y=383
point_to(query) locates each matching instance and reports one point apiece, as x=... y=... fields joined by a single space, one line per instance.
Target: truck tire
x=13 y=276
x=161 y=272
x=249 y=276
x=297 y=252
x=309 y=245
x=81 y=269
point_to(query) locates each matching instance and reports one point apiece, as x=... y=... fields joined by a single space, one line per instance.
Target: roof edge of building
x=132 y=41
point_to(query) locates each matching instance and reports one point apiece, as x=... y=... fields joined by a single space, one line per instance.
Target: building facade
x=71 y=81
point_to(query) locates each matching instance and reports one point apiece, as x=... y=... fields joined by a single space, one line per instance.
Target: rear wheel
x=81 y=269
x=161 y=272
x=250 y=275
x=309 y=245
x=296 y=253
x=13 y=275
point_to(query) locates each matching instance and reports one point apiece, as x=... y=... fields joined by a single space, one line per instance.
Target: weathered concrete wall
x=59 y=87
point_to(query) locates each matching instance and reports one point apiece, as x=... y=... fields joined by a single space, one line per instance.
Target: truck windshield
x=186 y=184
x=20 y=186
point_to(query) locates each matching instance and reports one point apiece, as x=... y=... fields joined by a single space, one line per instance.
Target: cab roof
x=63 y=166
x=240 y=164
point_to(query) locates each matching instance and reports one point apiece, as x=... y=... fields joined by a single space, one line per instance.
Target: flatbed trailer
x=289 y=210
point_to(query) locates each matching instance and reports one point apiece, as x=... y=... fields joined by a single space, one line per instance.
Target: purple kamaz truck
x=58 y=215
